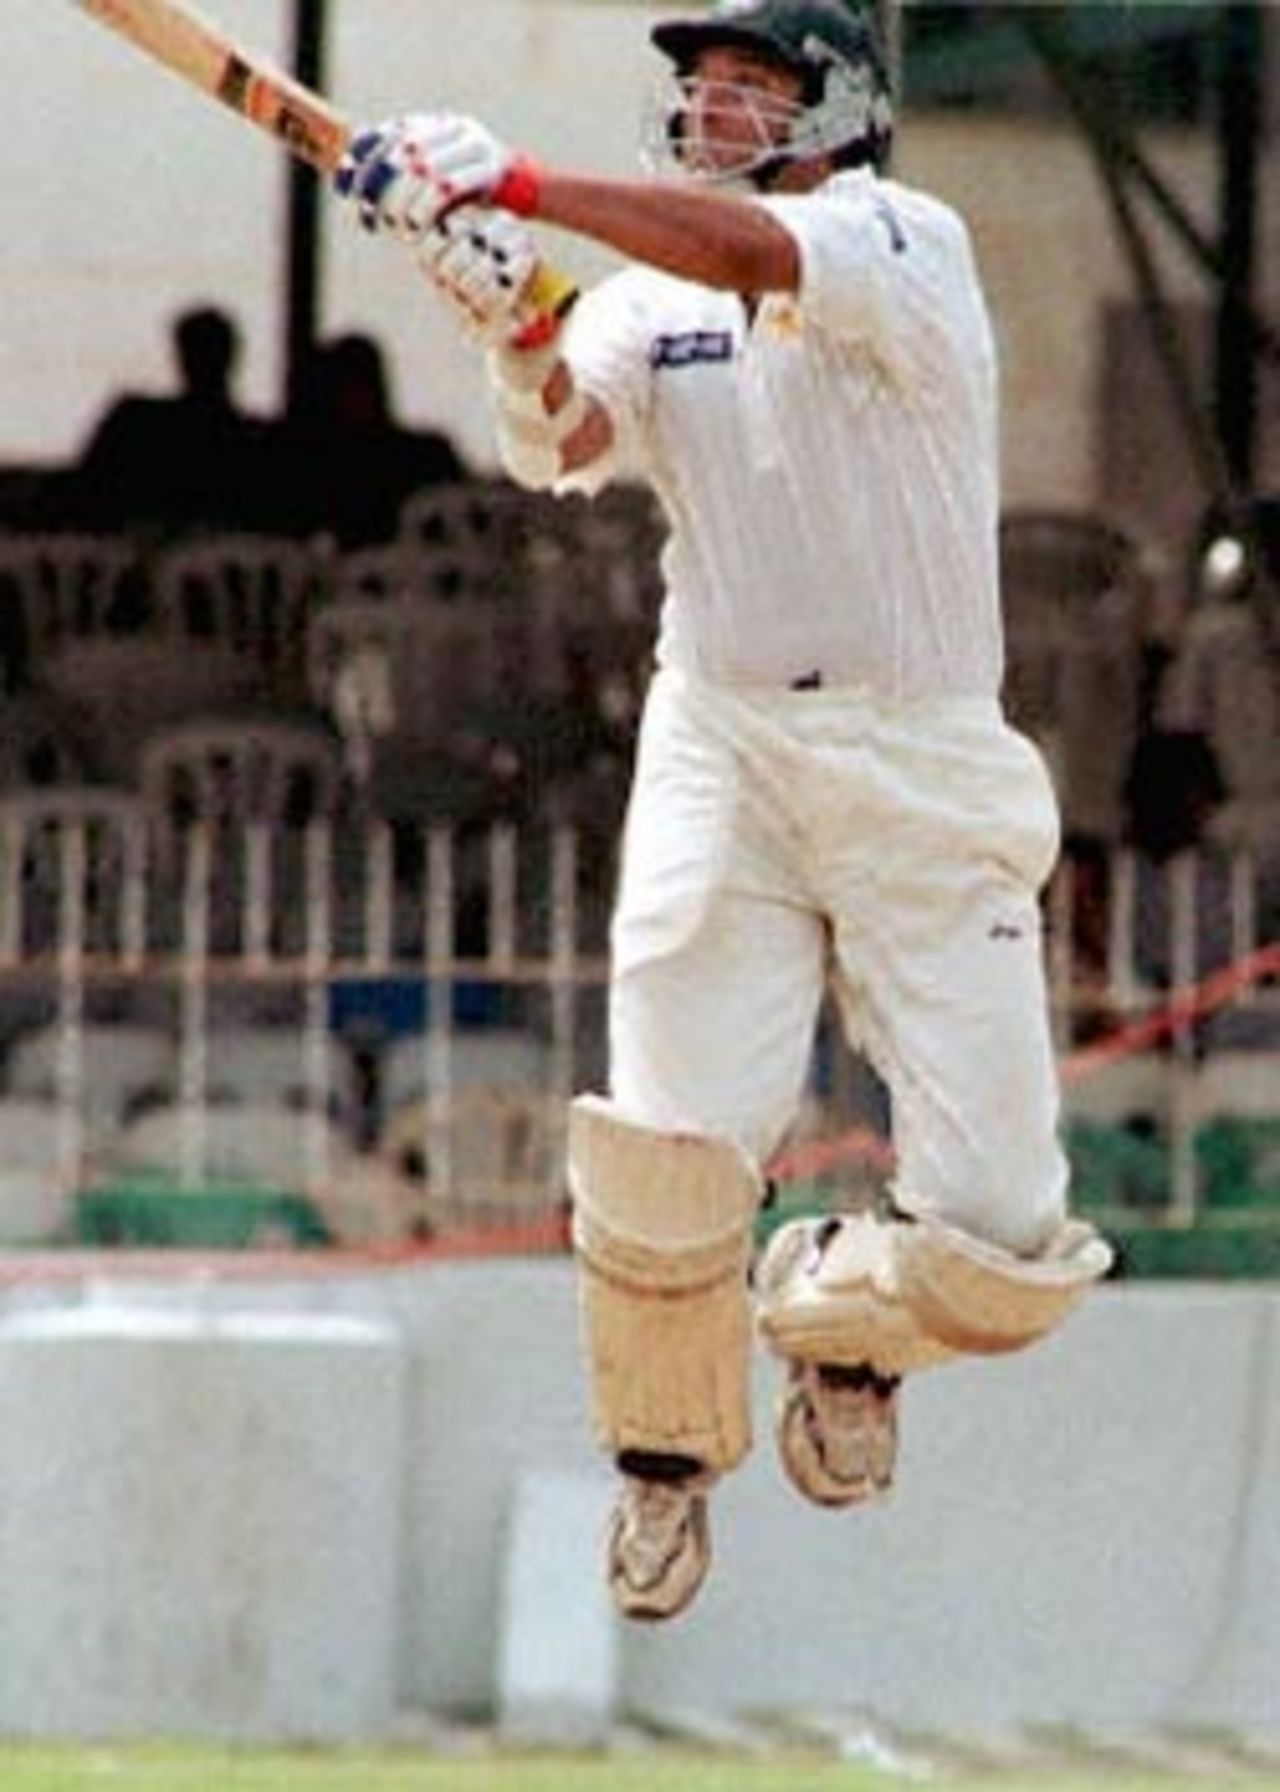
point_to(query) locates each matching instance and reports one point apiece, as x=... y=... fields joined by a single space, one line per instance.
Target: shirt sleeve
x=881 y=265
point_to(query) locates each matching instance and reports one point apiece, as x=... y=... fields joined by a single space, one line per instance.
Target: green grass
x=175 y=1769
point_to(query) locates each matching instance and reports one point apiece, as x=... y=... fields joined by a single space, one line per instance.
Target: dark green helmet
x=846 y=111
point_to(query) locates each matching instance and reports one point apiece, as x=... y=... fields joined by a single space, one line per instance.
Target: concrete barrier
x=557 y=1668
x=198 y=1525
x=1066 y=1545
x=1088 y=1533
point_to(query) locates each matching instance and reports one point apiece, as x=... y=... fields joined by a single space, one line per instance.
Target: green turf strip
x=169 y=1769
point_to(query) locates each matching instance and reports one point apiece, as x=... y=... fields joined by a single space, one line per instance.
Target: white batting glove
x=405 y=175
x=481 y=262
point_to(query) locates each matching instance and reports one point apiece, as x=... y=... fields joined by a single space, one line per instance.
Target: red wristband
x=520 y=188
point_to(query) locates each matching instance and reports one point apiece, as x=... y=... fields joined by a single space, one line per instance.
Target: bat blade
x=200 y=52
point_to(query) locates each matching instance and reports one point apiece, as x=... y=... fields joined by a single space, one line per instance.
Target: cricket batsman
x=797 y=356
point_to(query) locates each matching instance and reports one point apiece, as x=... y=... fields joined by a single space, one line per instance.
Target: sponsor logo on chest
x=691 y=348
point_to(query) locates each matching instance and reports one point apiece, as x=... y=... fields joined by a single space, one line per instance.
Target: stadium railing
x=347 y=1044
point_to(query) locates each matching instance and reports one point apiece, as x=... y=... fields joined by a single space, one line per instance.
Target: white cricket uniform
x=825 y=785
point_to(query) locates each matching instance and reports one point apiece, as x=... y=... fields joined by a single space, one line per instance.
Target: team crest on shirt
x=781 y=318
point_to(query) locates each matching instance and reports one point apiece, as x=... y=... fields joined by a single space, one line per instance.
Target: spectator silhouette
x=349 y=464
x=183 y=462
x=562 y=754
x=1177 y=796
x=1174 y=789
x=1224 y=680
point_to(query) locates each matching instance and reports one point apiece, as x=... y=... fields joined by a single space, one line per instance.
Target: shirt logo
x=691 y=346
x=893 y=225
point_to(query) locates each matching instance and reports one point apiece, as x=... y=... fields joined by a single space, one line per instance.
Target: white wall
x=183 y=1549
x=1084 y=1534
x=126 y=197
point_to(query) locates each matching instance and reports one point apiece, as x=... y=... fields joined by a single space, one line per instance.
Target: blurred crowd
x=256 y=624
x=340 y=599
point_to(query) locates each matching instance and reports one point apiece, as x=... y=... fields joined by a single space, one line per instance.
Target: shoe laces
x=853 y=1419
x=655 y=1514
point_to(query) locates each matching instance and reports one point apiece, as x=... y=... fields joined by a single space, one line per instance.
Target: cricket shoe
x=659 y=1545
x=837 y=1431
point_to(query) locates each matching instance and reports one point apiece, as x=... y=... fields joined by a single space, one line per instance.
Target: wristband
x=550 y=296
x=520 y=188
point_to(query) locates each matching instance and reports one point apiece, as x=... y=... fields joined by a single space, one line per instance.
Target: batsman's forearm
x=718 y=239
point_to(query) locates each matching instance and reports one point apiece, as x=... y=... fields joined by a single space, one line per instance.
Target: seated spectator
x=348 y=464
x=1187 y=911
x=1082 y=604
x=187 y=461
x=563 y=754
x=1087 y=863
x=1173 y=792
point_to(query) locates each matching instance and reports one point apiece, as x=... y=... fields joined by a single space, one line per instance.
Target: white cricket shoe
x=659 y=1545
x=837 y=1432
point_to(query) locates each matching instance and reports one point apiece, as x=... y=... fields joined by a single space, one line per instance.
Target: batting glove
x=482 y=262
x=404 y=176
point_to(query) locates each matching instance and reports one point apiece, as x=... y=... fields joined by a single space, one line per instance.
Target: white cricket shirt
x=830 y=470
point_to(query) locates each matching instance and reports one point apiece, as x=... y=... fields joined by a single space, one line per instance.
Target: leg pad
x=977 y=1298
x=900 y=1295
x=662 y=1227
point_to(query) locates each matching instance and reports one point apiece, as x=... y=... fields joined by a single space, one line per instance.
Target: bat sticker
x=234 y=84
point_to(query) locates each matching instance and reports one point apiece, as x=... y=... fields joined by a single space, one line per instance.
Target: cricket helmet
x=844 y=110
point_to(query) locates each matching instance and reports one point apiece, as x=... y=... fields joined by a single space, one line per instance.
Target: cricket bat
x=197 y=51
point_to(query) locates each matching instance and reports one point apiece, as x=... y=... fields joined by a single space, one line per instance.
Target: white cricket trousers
x=778 y=841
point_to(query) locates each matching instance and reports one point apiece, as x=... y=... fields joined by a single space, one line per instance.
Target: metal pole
x=889 y=23
x=303 y=278
x=888 y=15
x=1240 y=126
x=1109 y=141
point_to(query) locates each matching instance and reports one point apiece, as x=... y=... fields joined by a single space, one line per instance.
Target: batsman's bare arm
x=717 y=239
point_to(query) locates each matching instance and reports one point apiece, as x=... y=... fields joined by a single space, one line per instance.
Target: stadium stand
x=287 y=800
x=1079 y=619
x=39 y=1170
x=119 y=1067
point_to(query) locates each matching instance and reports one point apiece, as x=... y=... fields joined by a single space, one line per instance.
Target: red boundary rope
x=874 y=1152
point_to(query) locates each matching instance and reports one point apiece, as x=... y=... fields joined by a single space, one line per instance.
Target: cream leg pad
x=827 y=1292
x=901 y=1295
x=978 y=1298
x=662 y=1227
